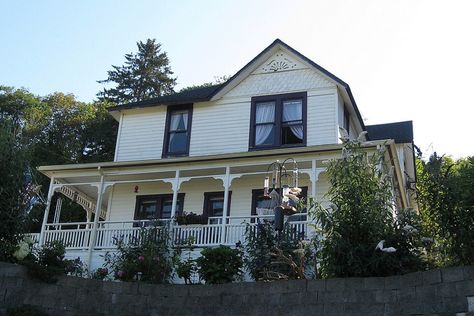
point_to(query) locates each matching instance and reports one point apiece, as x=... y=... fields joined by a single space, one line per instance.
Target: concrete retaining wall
x=448 y=291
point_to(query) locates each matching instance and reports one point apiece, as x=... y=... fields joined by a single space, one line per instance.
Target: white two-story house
x=207 y=151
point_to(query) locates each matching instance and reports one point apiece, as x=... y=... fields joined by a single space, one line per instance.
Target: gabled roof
x=214 y=92
x=188 y=96
x=400 y=132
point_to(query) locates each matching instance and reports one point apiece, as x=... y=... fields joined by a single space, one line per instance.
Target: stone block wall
x=448 y=291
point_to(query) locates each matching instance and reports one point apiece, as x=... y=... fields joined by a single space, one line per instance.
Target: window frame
x=169 y=111
x=278 y=99
x=208 y=196
x=159 y=198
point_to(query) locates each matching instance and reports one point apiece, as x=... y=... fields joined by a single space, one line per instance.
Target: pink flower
x=104 y=271
x=141 y=258
x=120 y=273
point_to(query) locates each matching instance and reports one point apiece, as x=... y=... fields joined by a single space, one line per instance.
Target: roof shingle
x=188 y=96
x=401 y=132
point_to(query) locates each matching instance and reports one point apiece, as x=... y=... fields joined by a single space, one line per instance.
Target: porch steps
x=82 y=200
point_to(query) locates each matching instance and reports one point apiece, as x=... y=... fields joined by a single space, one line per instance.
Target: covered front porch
x=114 y=190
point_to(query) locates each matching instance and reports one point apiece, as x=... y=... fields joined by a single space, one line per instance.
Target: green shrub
x=100 y=274
x=48 y=262
x=148 y=258
x=270 y=255
x=362 y=215
x=191 y=219
x=186 y=268
x=220 y=265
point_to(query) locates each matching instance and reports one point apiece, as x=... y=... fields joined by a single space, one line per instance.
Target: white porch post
x=226 y=202
x=175 y=187
x=314 y=176
x=100 y=193
x=46 y=211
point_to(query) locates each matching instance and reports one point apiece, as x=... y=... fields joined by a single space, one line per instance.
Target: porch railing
x=77 y=235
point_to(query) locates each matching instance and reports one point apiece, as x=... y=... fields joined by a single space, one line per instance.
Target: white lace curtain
x=265 y=113
x=293 y=111
x=179 y=121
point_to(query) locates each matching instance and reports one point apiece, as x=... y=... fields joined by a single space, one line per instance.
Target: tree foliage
x=55 y=129
x=14 y=197
x=145 y=74
x=217 y=81
x=445 y=190
x=362 y=215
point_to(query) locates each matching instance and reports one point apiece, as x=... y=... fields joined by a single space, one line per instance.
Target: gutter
x=197 y=159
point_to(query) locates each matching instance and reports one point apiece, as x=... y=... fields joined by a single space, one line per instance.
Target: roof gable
x=267 y=60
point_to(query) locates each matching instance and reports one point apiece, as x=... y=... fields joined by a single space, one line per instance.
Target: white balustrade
x=77 y=235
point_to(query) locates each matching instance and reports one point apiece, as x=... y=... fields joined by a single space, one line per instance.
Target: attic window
x=178 y=131
x=278 y=121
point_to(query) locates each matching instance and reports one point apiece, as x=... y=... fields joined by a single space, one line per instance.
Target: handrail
x=77 y=234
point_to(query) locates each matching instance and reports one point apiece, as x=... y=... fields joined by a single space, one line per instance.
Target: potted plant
x=190 y=218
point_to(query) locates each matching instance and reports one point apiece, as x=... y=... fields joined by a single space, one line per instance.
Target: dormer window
x=278 y=121
x=178 y=131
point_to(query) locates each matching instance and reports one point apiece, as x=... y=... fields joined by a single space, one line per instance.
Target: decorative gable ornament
x=279 y=62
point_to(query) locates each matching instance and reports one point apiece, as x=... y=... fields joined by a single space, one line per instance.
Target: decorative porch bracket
x=175 y=186
x=314 y=176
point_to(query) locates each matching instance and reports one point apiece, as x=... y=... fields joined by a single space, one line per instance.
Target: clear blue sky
x=404 y=60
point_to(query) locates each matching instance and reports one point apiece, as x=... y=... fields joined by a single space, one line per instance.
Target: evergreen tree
x=145 y=74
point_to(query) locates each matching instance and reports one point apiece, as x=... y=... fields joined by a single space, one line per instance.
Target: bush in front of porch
x=363 y=218
x=148 y=257
x=221 y=264
x=272 y=255
x=48 y=262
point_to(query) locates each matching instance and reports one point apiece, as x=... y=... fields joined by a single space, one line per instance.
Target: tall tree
x=55 y=129
x=15 y=107
x=145 y=74
x=445 y=190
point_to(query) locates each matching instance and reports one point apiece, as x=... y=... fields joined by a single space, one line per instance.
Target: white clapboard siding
x=124 y=198
x=220 y=127
x=141 y=135
x=321 y=124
